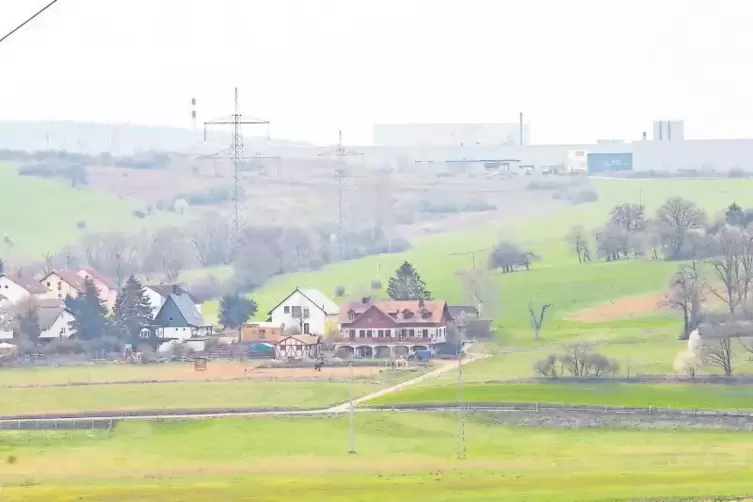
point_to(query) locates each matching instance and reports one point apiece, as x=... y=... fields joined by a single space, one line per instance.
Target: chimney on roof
x=421 y=303
x=177 y=289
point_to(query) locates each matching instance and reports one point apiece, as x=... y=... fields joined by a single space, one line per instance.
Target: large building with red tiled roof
x=392 y=328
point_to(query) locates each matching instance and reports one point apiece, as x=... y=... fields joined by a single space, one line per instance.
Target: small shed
x=299 y=346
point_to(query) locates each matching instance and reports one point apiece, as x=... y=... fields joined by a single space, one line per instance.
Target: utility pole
x=352 y=437
x=460 y=446
x=341 y=175
x=237 y=120
x=472 y=253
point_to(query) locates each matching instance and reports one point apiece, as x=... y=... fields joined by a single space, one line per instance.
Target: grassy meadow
x=166 y=396
x=400 y=457
x=639 y=395
x=557 y=279
x=51 y=224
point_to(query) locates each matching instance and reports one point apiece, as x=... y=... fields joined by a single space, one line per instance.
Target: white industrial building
x=664 y=148
x=443 y=135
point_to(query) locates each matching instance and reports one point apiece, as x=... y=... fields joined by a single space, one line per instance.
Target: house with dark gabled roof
x=177 y=319
x=158 y=293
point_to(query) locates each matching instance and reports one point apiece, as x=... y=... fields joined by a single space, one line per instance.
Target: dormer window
x=425 y=314
x=407 y=314
x=351 y=315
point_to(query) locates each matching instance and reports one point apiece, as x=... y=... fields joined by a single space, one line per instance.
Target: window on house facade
x=388 y=333
x=306 y=328
x=411 y=333
x=361 y=333
x=296 y=311
x=60 y=286
x=425 y=333
x=48 y=284
x=380 y=333
x=306 y=312
x=144 y=333
x=351 y=333
x=262 y=334
x=285 y=309
x=369 y=333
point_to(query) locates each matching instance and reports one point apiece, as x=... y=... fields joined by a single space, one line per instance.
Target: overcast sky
x=578 y=69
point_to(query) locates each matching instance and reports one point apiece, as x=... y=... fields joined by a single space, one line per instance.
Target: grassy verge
x=400 y=457
x=682 y=396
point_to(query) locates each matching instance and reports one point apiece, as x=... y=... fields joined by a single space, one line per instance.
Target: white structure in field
x=308 y=309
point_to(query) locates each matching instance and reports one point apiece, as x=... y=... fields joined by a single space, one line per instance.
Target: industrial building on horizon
x=499 y=145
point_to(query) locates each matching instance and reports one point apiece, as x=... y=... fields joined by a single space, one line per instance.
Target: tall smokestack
x=521 y=128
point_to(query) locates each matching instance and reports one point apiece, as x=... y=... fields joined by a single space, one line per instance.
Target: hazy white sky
x=578 y=69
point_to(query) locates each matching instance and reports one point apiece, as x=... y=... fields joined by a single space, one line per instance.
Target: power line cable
x=40 y=11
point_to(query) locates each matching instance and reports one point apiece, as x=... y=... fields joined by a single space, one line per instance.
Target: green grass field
x=51 y=224
x=672 y=396
x=400 y=457
x=194 y=395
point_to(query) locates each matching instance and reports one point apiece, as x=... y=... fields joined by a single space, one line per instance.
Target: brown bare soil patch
x=621 y=308
x=331 y=372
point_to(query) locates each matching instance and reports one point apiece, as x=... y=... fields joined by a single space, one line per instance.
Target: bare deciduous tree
x=716 y=350
x=167 y=250
x=580 y=361
x=575 y=358
x=726 y=264
x=580 y=243
x=676 y=217
x=507 y=256
x=48 y=263
x=629 y=217
x=687 y=289
x=210 y=241
x=537 y=317
x=482 y=290
x=611 y=242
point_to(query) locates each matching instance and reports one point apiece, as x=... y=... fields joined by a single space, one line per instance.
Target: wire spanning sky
x=580 y=69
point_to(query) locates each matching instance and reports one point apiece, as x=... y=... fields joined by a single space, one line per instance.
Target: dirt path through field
x=395 y=388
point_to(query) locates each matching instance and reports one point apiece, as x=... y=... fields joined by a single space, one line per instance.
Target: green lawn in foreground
x=401 y=457
x=50 y=224
x=263 y=394
x=686 y=396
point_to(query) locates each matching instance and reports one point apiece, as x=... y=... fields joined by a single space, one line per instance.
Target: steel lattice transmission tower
x=341 y=176
x=237 y=120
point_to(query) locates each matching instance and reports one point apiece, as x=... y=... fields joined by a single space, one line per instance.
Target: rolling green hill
x=557 y=279
x=40 y=216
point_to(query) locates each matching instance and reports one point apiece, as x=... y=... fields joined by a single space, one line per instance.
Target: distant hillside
x=39 y=216
x=118 y=139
